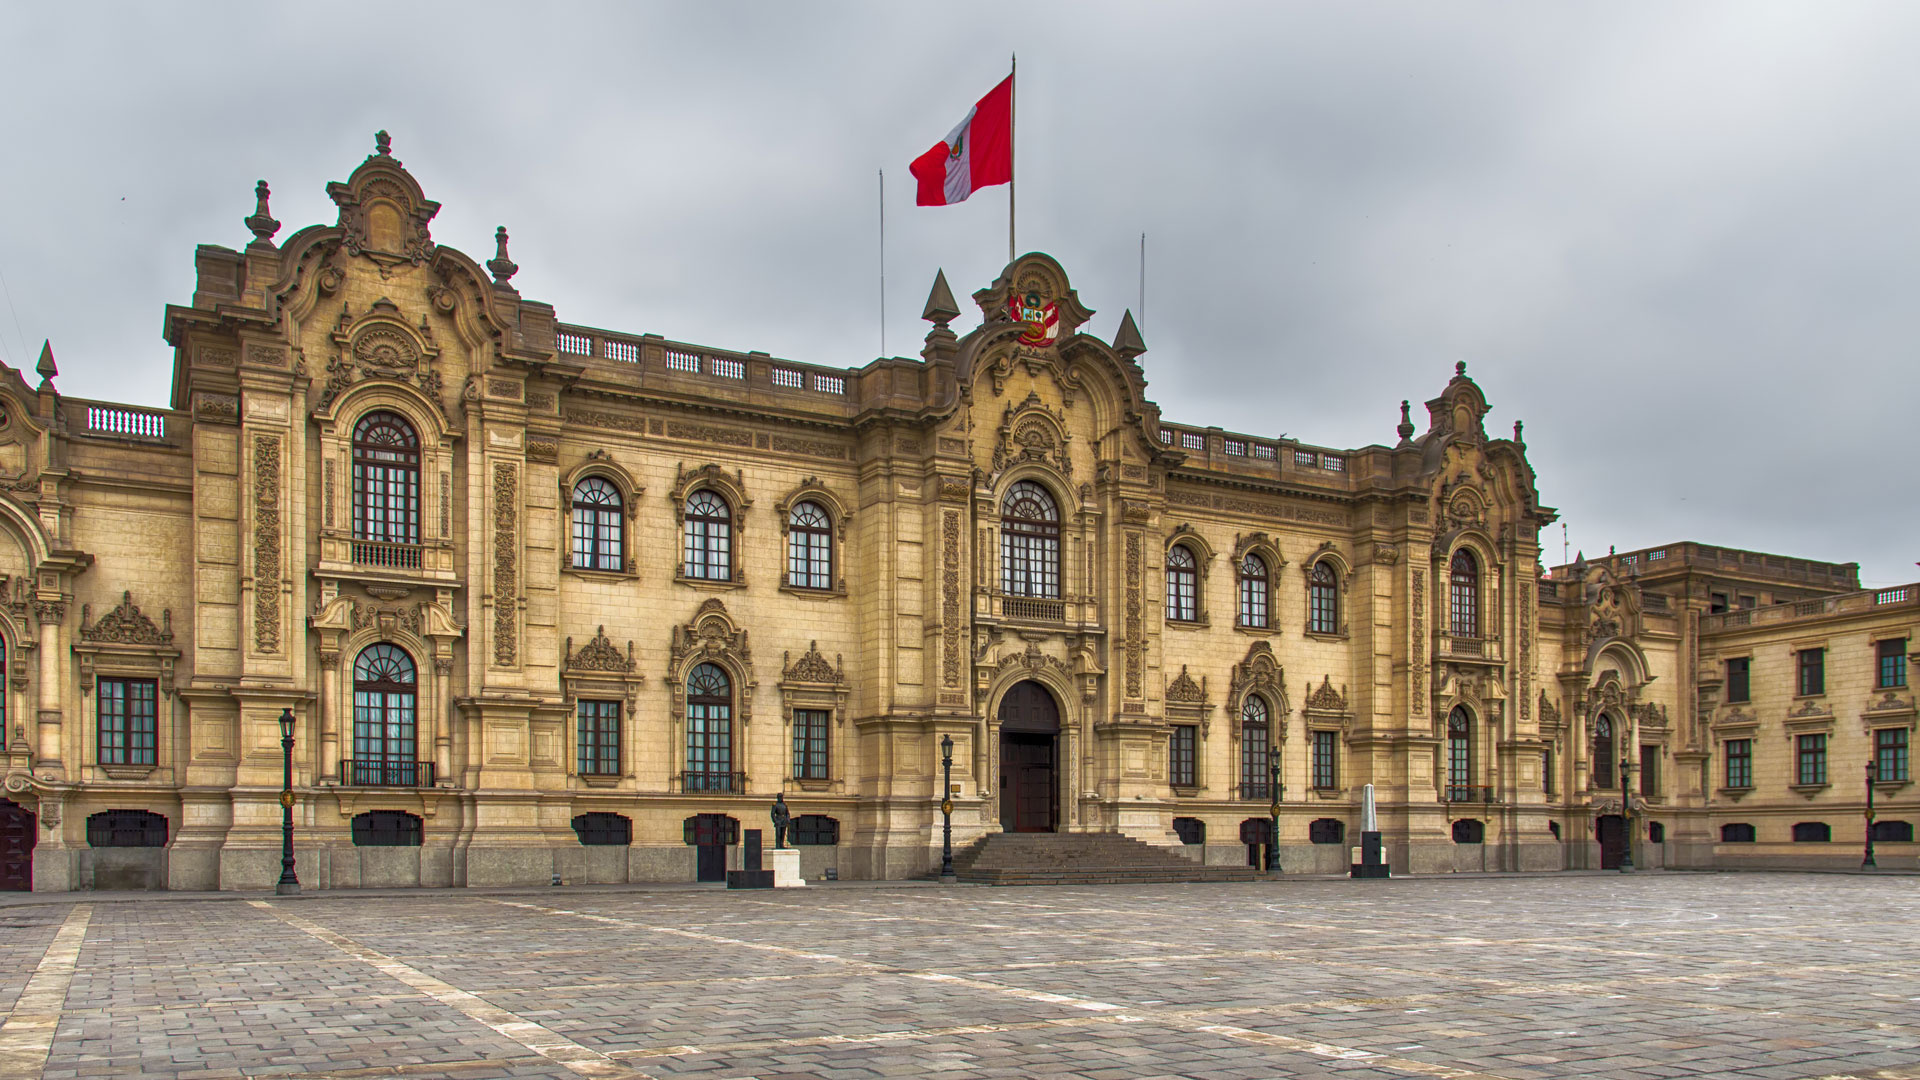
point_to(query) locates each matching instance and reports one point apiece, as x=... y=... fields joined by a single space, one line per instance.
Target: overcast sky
x=1680 y=242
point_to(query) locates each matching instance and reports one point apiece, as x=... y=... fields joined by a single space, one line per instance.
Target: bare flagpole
x=1013 y=112
x=1143 y=281
x=883 y=262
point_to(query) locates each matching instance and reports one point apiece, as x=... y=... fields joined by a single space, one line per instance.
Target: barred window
x=1183 y=576
x=1811 y=751
x=1469 y=832
x=386 y=828
x=386 y=479
x=126 y=828
x=1190 y=830
x=1030 y=542
x=709 y=730
x=597 y=542
x=1254 y=590
x=1738 y=833
x=602 y=829
x=1323 y=600
x=1812 y=832
x=1463 y=595
x=1181 y=740
x=815 y=830
x=599 y=738
x=1253 y=748
x=709 y=538
x=128 y=721
x=1325 y=749
x=1893 y=832
x=1739 y=763
x=809 y=744
x=1327 y=830
x=809 y=547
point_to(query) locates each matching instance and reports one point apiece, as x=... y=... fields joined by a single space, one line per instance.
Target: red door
x=17 y=836
x=1029 y=731
x=1611 y=831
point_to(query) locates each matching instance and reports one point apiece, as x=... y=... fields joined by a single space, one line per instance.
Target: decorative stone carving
x=1030 y=431
x=266 y=543
x=545 y=451
x=381 y=345
x=1417 y=667
x=1325 y=698
x=600 y=654
x=1184 y=690
x=1259 y=672
x=125 y=625
x=1549 y=712
x=216 y=408
x=950 y=597
x=1135 y=623
x=812 y=667
x=1386 y=554
x=506 y=565
x=711 y=635
x=388 y=617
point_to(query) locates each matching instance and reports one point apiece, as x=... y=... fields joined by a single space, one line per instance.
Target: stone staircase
x=1081 y=859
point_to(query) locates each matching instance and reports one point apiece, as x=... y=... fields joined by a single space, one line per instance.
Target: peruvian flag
x=976 y=154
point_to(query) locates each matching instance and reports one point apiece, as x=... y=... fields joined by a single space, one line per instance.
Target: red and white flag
x=976 y=154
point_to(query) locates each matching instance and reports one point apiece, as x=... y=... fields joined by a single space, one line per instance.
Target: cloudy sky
x=1680 y=242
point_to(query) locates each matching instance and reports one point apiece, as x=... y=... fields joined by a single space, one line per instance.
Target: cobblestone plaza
x=1654 y=975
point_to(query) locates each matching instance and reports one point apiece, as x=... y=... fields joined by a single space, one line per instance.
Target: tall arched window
x=1254 y=748
x=709 y=537
x=1183 y=584
x=386 y=480
x=597 y=526
x=1030 y=542
x=809 y=547
x=1459 y=755
x=384 y=751
x=1463 y=595
x=1254 y=590
x=1603 y=753
x=1323 y=600
x=709 y=730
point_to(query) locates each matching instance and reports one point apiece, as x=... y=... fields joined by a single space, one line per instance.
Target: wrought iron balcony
x=385 y=772
x=1468 y=793
x=384 y=556
x=732 y=782
x=1255 y=790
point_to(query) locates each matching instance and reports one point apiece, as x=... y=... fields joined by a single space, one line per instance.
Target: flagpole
x=883 y=263
x=1013 y=113
x=1143 y=281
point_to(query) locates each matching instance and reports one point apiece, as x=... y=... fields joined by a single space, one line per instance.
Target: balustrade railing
x=385 y=772
x=138 y=423
x=1019 y=607
x=386 y=556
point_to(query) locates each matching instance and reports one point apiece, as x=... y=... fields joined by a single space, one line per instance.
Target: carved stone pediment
x=812 y=683
x=1549 y=712
x=1259 y=673
x=1184 y=690
x=600 y=654
x=1030 y=431
x=125 y=641
x=380 y=344
x=812 y=668
x=711 y=636
x=1324 y=698
x=125 y=625
x=383 y=213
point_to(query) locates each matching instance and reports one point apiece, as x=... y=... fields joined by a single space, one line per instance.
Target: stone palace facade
x=544 y=600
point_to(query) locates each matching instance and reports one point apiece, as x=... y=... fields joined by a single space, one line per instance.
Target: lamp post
x=1273 y=813
x=1626 y=814
x=1873 y=774
x=946 y=808
x=289 y=884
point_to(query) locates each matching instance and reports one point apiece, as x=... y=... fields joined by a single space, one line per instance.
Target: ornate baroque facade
x=544 y=599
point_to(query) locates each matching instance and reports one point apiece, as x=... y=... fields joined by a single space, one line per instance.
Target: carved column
x=440 y=730
x=329 y=715
x=51 y=613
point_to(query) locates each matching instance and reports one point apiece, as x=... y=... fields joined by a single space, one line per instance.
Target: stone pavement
x=1768 y=976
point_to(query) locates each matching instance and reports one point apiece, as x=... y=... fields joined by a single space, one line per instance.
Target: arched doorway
x=1611 y=831
x=17 y=836
x=1029 y=735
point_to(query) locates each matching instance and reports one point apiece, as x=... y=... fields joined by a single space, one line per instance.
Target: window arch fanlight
x=809 y=546
x=709 y=537
x=1459 y=755
x=1255 y=746
x=1256 y=583
x=1603 y=754
x=1463 y=595
x=1183 y=584
x=598 y=525
x=709 y=765
x=1323 y=599
x=385 y=715
x=1030 y=542
x=386 y=479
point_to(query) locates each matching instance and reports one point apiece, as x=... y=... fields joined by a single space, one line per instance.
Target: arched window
x=1459 y=756
x=1463 y=595
x=809 y=547
x=1253 y=748
x=1030 y=542
x=1254 y=585
x=1603 y=753
x=386 y=480
x=1323 y=600
x=709 y=730
x=1183 y=584
x=709 y=537
x=384 y=752
x=597 y=538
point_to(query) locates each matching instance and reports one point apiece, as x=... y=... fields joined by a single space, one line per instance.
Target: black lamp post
x=1626 y=814
x=1273 y=813
x=1873 y=774
x=946 y=808
x=289 y=884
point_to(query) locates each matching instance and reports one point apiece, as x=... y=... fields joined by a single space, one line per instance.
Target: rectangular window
x=1748 y=603
x=1813 y=672
x=1180 y=758
x=1893 y=663
x=1253 y=762
x=599 y=738
x=1813 y=759
x=1325 y=773
x=1546 y=771
x=1716 y=603
x=809 y=744
x=1739 y=763
x=1890 y=754
x=1649 y=770
x=128 y=721
x=1739 y=687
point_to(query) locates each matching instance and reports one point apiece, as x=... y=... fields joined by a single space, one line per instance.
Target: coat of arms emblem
x=1043 y=320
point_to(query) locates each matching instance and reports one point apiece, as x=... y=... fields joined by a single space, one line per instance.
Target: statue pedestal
x=786 y=868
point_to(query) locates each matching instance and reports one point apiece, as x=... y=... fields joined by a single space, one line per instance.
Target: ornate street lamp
x=1873 y=774
x=946 y=808
x=289 y=884
x=1273 y=813
x=1626 y=814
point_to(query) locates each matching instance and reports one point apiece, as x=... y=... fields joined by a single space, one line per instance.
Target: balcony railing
x=1255 y=791
x=734 y=782
x=385 y=772
x=386 y=556
x=1469 y=793
x=1020 y=607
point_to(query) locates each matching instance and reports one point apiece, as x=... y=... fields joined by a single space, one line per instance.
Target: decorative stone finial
x=261 y=223
x=1460 y=369
x=1518 y=439
x=940 y=309
x=47 y=368
x=1406 y=422
x=382 y=144
x=503 y=268
x=1127 y=340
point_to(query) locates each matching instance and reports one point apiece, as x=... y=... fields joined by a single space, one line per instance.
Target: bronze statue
x=782 y=821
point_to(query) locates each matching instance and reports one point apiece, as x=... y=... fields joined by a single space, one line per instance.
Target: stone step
x=1082 y=859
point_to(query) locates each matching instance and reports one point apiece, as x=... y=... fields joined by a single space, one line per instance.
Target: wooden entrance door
x=1611 y=831
x=710 y=834
x=1029 y=735
x=17 y=837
